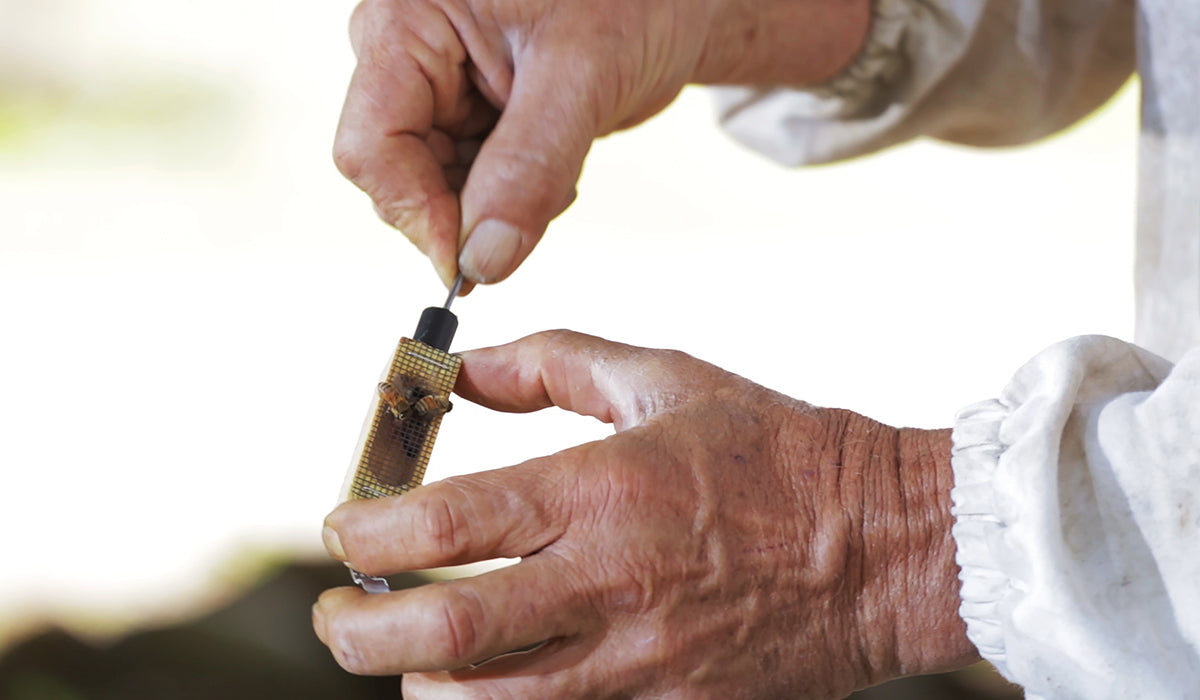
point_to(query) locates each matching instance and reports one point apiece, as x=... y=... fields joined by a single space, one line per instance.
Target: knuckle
x=462 y=620
x=558 y=339
x=446 y=530
x=676 y=357
x=346 y=647
x=561 y=343
x=348 y=157
x=351 y=661
x=672 y=362
x=544 y=177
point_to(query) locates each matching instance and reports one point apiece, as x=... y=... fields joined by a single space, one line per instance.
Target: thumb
x=526 y=170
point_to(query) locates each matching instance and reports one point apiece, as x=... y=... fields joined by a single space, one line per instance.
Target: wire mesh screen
x=406 y=414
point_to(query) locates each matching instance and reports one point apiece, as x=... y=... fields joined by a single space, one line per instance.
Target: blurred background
x=195 y=306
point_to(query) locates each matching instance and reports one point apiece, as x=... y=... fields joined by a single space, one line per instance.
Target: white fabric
x=1168 y=246
x=1077 y=492
x=1077 y=499
x=979 y=72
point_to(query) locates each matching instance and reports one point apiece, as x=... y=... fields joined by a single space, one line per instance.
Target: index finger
x=400 y=86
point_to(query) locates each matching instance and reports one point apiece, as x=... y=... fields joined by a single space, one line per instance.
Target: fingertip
x=321 y=610
x=333 y=543
x=333 y=599
x=331 y=612
x=340 y=527
x=469 y=356
x=318 y=621
x=447 y=272
x=336 y=517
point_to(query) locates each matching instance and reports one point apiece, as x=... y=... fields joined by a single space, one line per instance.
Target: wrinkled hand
x=726 y=542
x=469 y=120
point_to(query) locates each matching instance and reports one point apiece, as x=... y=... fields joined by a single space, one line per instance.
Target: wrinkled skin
x=462 y=112
x=726 y=542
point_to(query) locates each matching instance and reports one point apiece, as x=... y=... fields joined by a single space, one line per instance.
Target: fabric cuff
x=881 y=62
x=1058 y=504
x=909 y=48
x=975 y=457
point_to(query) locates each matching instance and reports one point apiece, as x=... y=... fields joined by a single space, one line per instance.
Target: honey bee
x=408 y=399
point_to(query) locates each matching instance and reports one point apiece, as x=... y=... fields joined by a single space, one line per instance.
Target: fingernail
x=332 y=544
x=490 y=251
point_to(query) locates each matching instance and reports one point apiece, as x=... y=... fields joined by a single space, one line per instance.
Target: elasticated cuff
x=975 y=458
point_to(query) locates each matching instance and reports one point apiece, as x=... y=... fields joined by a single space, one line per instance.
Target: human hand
x=467 y=121
x=726 y=542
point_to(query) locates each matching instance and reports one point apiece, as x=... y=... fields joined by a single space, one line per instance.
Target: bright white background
x=194 y=306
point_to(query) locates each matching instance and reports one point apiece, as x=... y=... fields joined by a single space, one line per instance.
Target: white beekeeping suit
x=1077 y=491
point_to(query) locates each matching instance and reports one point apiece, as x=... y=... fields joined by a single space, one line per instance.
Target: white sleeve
x=1077 y=506
x=979 y=72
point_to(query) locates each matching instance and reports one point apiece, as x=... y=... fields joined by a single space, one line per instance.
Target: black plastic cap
x=436 y=328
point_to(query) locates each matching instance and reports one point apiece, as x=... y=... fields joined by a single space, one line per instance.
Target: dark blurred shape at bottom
x=261 y=647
